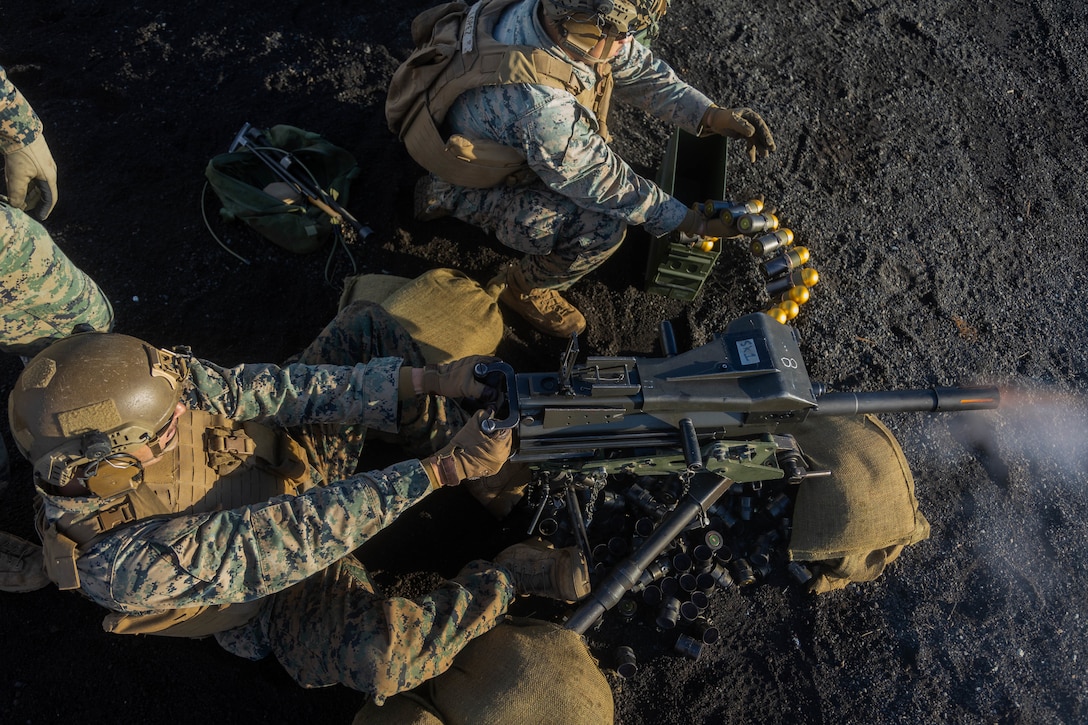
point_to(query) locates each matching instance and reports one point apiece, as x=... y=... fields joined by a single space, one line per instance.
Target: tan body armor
x=456 y=52
x=217 y=464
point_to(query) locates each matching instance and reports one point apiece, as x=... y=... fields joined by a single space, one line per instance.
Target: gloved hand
x=457 y=380
x=698 y=225
x=741 y=123
x=32 y=163
x=471 y=453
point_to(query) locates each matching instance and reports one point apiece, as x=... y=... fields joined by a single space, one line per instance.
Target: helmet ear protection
x=59 y=466
x=92 y=399
x=583 y=24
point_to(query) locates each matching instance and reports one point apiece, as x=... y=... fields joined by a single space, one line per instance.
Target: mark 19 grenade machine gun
x=710 y=418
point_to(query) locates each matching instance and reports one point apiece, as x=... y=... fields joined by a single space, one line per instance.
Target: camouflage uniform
x=19 y=125
x=42 y=294
x=321 y=615
x=575 y=215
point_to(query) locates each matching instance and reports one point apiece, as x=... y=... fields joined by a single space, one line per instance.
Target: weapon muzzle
x=932 y=400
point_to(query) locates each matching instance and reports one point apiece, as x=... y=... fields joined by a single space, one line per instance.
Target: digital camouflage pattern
x=43 y=295
x=322 y=617
x=575 y=216
x=19 y=125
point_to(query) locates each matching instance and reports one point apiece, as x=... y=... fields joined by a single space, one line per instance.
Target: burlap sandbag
x=449 y=314
x=854 y=523
x=524 y=671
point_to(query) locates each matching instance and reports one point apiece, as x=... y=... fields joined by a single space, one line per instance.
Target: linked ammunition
x=770 y=243
x=756 y=223
x=730 y=210
x=799 y=277
x=785 y=262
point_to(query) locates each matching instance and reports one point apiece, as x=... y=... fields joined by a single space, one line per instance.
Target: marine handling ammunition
x=730 y=210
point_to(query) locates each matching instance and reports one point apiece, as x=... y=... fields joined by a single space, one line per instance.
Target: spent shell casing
x=626 y=664
x=689 y=646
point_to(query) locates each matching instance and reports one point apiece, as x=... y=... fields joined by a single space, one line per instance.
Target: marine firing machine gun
x=710 y=418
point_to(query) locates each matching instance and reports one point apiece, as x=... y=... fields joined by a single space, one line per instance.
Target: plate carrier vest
x=217 y=464
x=455 y=52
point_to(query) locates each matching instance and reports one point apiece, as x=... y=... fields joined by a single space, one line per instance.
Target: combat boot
x=499 y=493
x=544 y=309
x=427 y=199
x=538 y=568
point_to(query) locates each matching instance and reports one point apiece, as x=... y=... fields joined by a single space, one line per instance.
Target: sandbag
x=524 y=671
x=248 y=189
x=448 y=313
x=849 y=526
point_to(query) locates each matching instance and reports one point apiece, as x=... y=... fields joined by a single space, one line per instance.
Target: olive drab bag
x=252 y=193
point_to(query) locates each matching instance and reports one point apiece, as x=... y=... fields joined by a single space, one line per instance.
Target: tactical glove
x=457 y=380
x=471 y=453
x=697 y=224
x=743 y=123
x=32 y=163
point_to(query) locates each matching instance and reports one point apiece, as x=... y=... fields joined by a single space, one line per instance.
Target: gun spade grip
x=482 y=371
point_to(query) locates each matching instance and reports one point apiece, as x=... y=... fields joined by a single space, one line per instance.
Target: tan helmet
x=583 y=23
x=89 y=397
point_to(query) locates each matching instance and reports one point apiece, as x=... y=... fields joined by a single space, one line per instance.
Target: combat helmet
x=92 y=397
x=583 y=23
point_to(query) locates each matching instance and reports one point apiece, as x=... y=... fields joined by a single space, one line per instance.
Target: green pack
x=240 y=180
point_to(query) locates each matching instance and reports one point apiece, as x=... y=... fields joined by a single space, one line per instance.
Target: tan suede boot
x=538 y=568
x=544 y=309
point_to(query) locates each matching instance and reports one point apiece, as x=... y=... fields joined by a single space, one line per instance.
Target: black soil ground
x=931 y=155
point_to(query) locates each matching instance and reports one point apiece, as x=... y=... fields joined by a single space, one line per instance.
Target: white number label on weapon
x=789 y=362
x=749 y=354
